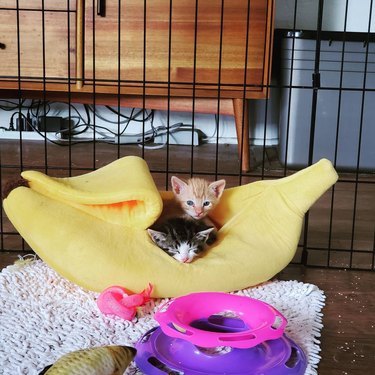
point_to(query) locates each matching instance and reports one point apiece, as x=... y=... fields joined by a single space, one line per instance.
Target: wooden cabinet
x=172 y=48
x=37 y=43
x=140 y=53
x=165 y=48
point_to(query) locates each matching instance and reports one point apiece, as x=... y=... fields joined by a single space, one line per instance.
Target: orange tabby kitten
x=185 y=225
x=197 y=197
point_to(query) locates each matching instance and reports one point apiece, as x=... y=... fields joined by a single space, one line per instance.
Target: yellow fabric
x=91 y=228
x=122 y=192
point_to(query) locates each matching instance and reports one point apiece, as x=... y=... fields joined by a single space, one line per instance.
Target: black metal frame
x=303 y=257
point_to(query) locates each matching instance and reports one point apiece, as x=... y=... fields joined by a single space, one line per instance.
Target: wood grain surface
x=160 y=50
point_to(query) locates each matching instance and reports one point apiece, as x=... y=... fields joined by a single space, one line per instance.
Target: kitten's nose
x=198 y=211
x=185 y=260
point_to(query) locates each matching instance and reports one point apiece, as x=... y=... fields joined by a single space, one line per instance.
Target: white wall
x=333 y=15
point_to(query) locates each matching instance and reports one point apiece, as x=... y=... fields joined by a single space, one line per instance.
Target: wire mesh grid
x=84 y=83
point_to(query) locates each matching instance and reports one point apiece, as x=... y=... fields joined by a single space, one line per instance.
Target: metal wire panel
x=177 y=83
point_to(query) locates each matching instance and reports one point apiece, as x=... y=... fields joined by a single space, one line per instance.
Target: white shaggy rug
x=43 y=316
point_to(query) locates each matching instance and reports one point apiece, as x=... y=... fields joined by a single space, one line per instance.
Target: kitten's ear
x=177 y=185
x=156 y=236
x=203 y=234
x=217 y=187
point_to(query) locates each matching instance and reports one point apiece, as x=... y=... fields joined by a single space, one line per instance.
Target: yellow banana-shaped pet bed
x=92 y=228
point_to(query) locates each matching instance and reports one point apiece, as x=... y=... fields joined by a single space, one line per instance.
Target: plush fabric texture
x=44 y=316
x=91 y=228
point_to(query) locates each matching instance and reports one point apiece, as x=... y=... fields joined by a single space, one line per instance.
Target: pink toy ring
x=257 y=321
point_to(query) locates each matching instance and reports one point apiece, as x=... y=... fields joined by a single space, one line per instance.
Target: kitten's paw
x=211 y=238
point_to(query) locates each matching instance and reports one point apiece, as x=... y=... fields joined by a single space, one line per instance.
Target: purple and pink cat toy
x=219 y=333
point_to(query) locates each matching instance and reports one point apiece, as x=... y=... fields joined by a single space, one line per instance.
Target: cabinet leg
x=241 y=118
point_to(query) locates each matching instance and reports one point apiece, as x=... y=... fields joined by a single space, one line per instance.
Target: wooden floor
x=342 y=220
x=348 y=335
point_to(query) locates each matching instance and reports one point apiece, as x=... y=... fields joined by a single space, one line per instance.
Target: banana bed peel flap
x=91 y=228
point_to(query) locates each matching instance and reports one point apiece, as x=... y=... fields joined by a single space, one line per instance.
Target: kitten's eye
x=206 y=203
x=190 y=203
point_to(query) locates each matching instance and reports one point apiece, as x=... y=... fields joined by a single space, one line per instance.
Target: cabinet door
x=174 y=48
x=38 y=44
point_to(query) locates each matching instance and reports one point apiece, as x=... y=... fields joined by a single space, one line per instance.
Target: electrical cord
x=163 y=130
x=11 y=125
x=16 y=105
x=61 y=141
x=126 y=121
x=36 y=104
x=135 y=118
x=216 y=131
x=83 y=124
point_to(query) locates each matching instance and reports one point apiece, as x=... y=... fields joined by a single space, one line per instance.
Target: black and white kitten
x=181 y=238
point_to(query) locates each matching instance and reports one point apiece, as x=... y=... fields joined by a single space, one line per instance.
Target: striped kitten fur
x=181 y=238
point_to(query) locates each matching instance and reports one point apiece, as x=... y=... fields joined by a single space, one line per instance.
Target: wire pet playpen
x=243 y=90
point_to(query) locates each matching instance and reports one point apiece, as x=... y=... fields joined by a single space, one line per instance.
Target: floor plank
x=348 y=336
